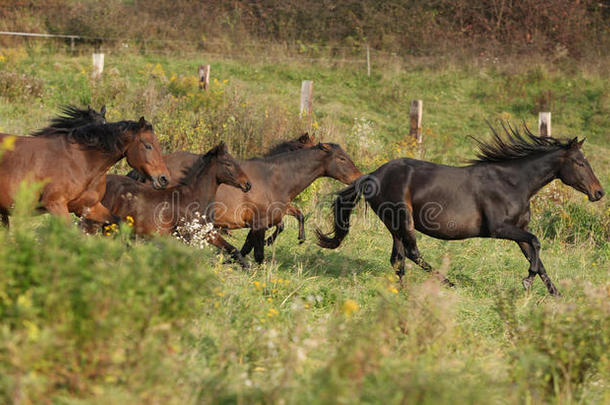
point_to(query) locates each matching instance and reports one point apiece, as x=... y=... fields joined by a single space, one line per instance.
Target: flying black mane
x=71 y=117
x=107 y=137
x=515 y=145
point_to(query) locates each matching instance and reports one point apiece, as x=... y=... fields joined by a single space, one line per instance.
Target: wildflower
x=196 y=231
x=129 y=220
x=272 y=312
x=349 y=307
x=8 y=143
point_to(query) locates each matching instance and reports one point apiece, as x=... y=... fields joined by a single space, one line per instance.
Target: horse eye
x=147 y=146
x=579 y=163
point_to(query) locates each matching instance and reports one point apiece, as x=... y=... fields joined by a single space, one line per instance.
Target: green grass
x=108 y=320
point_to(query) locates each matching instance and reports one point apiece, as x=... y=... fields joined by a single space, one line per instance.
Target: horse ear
x=305 y=138
x=103 y=111
x=223 y=147
x=142 y=122
x=325 y=147
x=581 y=142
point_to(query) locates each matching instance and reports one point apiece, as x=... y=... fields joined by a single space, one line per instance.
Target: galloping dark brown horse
x=177 y=162
x=488 y=199
x=161 y=211
x=276 y=181
x=73 y=163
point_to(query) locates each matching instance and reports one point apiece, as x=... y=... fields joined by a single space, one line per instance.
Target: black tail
x=343 y=206
x=137 y=176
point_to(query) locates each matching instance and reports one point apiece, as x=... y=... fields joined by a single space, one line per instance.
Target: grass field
x=110 y=320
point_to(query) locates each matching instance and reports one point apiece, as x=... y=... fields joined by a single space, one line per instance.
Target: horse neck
x=537 y=172
x=203 y=189
x=298 y=169
x=97 y=160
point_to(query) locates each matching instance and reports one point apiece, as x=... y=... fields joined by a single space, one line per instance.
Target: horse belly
x=448 y=221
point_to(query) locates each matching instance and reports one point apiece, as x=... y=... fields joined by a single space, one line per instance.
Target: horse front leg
x=218 y=241
x=248 y=244
x=528 y=252
x=258 y=240
x=531 y=250
x=57 y=207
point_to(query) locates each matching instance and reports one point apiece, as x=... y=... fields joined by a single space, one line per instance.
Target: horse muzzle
x=246 y=186
x=160 y=182
x=596 y=195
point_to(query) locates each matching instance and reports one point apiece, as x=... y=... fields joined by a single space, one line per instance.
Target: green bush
x=76 y=312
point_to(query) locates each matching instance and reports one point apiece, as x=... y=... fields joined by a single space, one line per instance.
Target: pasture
x=109 y=319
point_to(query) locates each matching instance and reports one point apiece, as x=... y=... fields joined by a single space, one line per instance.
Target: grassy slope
x=256 y=336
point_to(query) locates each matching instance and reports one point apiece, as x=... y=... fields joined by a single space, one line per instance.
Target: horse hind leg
x=397 y=259
x=5 y=219
x=409 y=241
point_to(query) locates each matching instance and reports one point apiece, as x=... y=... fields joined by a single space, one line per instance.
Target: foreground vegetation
x=113 y=320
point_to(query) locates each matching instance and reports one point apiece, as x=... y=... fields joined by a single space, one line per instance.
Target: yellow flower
x=8 y=143
x=349 y=307
x=393 y=290
x=272 y=312
x=129 y=220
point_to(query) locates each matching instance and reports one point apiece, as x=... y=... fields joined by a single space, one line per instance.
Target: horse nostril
x=248 y=186
x=599 y=194
x=163 y=180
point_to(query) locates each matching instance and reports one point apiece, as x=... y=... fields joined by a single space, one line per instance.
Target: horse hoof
x=448 y=283
x=527 y=283
x=301 y=241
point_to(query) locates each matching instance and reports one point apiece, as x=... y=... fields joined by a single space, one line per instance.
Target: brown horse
x=277 y=180
x=161 y=211
x=72 y=165
x=177 y=162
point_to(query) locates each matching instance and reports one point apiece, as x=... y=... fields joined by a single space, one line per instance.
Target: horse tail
x=137 y=176
x=343 y=206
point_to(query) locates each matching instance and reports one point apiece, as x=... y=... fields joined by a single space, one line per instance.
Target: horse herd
x=487 y=198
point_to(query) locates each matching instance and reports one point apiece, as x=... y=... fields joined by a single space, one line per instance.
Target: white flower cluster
x=195 y=231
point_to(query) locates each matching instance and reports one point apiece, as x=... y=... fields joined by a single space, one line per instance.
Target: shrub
x=19 y=86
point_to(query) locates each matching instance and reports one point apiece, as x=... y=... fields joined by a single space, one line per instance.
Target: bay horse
x=177 y=162
x=71 y=117
x=72 y=165
x=161 y=211
x=489 y=198
x=277 y=180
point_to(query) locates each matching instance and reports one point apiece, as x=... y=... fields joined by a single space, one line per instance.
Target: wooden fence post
x=204 y=76
x=306 y=98
x=368 y=61
x=417 y=107
x=98 y=65
x=544 y=124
